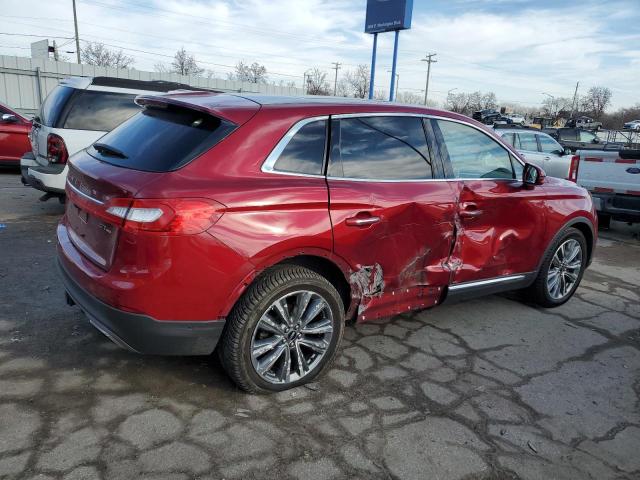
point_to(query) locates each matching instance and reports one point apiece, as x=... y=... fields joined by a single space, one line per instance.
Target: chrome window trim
x=489 y=281
x=82 y=194
x=269 y=163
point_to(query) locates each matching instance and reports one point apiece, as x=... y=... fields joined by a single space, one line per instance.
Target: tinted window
x=569 y=134
x=101 y=111
x=382 y=148
x=305 y=152
x=548 y=144
x=587 y=136
x=508 y=137
x=474 y=154
x=528 y=142
x=53 y=105
x=161 y=139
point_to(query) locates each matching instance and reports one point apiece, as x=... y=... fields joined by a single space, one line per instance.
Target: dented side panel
x=399 y=263
x=506 y=237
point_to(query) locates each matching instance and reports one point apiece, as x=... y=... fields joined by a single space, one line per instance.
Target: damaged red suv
x=259 y=225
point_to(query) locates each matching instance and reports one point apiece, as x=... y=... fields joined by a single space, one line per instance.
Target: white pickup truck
x=613 y=178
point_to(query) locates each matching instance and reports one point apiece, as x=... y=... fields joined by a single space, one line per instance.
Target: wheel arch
x=323 y=262
x=582 y=224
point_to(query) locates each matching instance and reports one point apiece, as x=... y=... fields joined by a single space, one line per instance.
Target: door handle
x=547 y=158
x=362 y=219
x=469 y=210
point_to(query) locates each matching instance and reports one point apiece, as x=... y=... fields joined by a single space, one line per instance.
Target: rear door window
x=305 y=151
x=379 y=148
x=161 y=139
x=528 y=142
x=99 y=111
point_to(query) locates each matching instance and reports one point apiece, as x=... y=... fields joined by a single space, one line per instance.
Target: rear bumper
x=141 y=333
x=50 y=178
x=625 y=208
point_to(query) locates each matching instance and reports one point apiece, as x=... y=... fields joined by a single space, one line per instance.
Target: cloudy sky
x=515 y=48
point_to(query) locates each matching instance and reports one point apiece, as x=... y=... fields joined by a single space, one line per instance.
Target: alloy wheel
x=564 y=270
x=292 y=337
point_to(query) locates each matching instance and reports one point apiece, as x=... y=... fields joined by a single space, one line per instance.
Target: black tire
x=234 y=348
x=538 y=292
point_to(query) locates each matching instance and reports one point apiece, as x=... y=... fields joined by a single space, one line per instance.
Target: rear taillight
x=179 y=216
x=56 y=149
x=573 y=169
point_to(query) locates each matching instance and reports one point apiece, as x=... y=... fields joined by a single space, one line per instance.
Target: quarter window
x=473 y=154
x=379 y=148
x=586 y=136
x=305 y=151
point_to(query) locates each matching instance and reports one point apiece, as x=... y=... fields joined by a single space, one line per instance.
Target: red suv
x=261 y=224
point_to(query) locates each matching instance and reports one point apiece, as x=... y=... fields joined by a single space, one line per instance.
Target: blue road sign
x=388 y=15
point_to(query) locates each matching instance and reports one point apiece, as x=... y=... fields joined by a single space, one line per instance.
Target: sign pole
x=393 y=67
x=373 y=65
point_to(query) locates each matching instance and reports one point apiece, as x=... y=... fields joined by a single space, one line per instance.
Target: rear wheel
x=561 y=270
x=284 y=331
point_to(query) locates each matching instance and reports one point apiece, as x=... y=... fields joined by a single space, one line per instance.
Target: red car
x=261 y=224
x=14 y=136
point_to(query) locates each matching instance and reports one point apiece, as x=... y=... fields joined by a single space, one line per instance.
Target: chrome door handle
x=361 y=220
x=547 y=158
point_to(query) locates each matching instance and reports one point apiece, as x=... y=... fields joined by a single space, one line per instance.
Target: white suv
x=73 y=116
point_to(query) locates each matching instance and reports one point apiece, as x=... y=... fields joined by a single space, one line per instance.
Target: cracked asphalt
x=487 y=389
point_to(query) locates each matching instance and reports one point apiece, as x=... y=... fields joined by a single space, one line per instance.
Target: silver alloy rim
x=564 y=269
x=292 y=337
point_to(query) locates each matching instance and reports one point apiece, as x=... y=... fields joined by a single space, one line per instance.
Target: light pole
x=75 y=24
x=429 y=59
x=306 y=79
x=397 y=84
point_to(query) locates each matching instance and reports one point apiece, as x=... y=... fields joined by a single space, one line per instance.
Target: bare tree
x=467 y=103
x=95 y=53
x=596 y=101
x=317 y=83
x=410 y=98
x=254 y=73
x=184 y=64
x=552 y=106
x=358 y=81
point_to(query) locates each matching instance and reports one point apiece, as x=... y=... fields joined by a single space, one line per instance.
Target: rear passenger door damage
x=390 y=218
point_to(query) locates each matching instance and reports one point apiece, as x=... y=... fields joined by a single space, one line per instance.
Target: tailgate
x=607 y=172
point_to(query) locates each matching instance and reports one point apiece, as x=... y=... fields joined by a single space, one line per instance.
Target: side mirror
x=533 y=175
x=9 y=118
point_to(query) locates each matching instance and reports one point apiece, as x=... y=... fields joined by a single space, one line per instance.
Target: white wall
x=25 y=82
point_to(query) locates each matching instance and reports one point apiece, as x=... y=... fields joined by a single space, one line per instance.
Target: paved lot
x=487 y=389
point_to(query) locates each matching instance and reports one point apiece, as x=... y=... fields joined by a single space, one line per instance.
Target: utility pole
x=335 y=83
x=397 y=84
x=575 y=98
x=75 y=23
x=55 y=51
x=429 y=59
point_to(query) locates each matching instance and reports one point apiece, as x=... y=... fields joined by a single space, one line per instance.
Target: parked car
x=585 y=123
x=516 y=118
x=73 y=116
x=613 y=179
x=538 y=148
x=579 y=139
x=205 y=221
x=490 y=116
x=632 y=125
x=14 y=136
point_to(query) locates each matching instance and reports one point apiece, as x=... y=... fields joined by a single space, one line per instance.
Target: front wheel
x=284 y=331
x=561 y=270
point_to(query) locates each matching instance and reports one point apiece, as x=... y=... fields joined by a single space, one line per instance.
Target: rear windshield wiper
x=105 y=149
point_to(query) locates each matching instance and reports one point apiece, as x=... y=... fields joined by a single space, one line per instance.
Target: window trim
x=268 y=165
x=272 y=158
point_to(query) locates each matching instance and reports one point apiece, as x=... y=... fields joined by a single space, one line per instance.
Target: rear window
x=161 y=139
x=53 y=106
x=98 y=111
